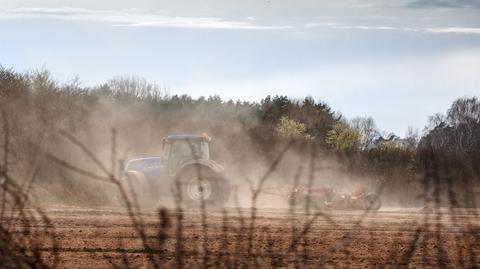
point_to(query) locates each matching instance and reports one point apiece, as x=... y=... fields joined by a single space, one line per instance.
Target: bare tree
x=464 y=111
x=368 y=130
x=411 y=138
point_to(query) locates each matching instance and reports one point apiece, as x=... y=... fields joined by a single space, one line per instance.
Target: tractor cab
x=181 y=149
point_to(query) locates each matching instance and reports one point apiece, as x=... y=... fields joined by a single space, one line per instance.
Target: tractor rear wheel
x=203 y=184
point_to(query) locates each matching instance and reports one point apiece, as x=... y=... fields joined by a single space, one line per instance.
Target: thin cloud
x=444 y=4
x=438 y=30
x=458 y=30
x=365 y=27
x=131 y=18
x=320 y=24
x=139 y=18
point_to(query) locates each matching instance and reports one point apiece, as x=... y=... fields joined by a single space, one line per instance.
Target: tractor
x=184 y=169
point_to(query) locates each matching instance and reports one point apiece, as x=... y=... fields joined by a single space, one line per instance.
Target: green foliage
x=317 y=117
x=343 y=138
x=292 y=129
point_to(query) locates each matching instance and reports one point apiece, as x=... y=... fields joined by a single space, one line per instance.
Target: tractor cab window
x=182 y=151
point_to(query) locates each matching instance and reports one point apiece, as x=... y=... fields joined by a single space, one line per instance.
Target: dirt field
x=106 y=238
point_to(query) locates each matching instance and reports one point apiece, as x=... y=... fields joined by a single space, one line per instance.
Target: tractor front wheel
x=136 y=187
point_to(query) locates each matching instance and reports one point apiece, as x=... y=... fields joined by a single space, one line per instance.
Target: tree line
x=36 y=108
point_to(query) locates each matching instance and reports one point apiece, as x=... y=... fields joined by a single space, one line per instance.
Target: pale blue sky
x=398 y=61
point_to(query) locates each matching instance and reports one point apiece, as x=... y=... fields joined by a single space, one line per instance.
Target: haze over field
x=239 y=134
x=397 y=61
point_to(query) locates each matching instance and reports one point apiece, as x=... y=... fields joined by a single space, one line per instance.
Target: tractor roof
x=176 y=137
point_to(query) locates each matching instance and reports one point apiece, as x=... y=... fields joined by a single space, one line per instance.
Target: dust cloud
x=67 y=141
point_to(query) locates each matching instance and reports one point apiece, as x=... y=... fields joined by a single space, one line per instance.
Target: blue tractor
x=184 y=169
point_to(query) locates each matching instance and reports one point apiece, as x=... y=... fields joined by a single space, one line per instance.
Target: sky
x=397 y=61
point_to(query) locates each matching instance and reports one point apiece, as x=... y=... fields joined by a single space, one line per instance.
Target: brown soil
x=106 y=238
